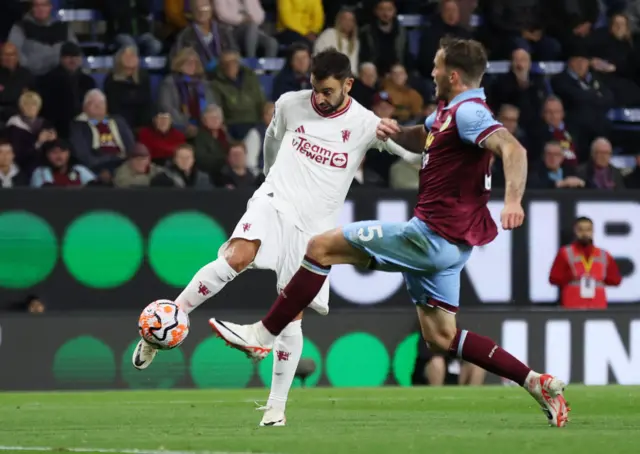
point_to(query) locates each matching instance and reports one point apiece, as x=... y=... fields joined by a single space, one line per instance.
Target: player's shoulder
x=360 y=114
x=294 y=98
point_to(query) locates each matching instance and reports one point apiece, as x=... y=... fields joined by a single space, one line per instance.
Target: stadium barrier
x=349 y=348
x=100 y=249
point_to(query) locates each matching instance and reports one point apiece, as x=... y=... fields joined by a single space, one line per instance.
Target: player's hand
x=512 y=216
x=387 y=128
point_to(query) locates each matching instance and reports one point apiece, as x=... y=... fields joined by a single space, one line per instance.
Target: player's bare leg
x=439 y=329
x=324 y=250
x=207 y=282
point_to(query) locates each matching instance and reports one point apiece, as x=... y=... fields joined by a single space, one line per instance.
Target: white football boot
x=241 y=337
x=548 y=391
x=273 y=417
x=143 y=355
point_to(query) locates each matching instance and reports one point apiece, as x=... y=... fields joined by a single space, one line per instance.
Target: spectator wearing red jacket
x=582 y=270
x=161 y=138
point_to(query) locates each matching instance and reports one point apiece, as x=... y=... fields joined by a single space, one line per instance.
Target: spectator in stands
x=407 y=102
x=185 y=93
x=404 y=175
x=598 y=172
x=632 y=181
x=382 y=106
x=294 y=76
x=365 y=86
x=509 y=116
x=14 y=80
x=555 y=129
x=10 y=174
x=366 y=178
x=236 y=174
x=161 y=138
x=177 y=14
x=245 y=18
x=60 y=170
x=633 y=13
x=343 y=36
x=512 y=24
x=299 y=20
x=240 y=95
x=27 y=131
x=570 y=21
x=137 y=170
x=181 y=172
x=384 y=42
x=551 y=172
x=585 y=97
x=521 y=88
x=63 y=89
x=100 y=141
x=617 y=60
x=10 y=12
x=447 y=23
x=211 y=143
x=128 y=89
x=128 y=23
x=39 y=38
x=255 y=140
x=205 y=35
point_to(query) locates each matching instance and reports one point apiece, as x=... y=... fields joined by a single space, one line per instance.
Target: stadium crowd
x=199 y=120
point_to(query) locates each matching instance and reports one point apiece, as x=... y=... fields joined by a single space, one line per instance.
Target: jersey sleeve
x=428 y=122
x=475 y=123
x=277 y=127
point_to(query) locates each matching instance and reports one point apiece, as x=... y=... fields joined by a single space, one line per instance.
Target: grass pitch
x=487 y=420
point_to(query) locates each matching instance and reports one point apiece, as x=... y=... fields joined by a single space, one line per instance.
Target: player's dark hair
x=582 y=219
x=331 y=63
x=466 y=56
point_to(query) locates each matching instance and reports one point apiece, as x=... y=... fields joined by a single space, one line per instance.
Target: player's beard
x=328 y=109
x=443 y=88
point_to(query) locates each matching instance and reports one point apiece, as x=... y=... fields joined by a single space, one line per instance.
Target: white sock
x=264 y=336
x=208 y=281
x=287 y=350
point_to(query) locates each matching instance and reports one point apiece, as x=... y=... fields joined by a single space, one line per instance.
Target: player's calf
x=240 y=253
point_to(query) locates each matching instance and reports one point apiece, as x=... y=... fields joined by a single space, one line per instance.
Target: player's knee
x=240 y=253
x=440 y=338
x=318 y=249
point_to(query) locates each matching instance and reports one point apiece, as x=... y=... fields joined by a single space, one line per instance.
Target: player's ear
x=348 y=83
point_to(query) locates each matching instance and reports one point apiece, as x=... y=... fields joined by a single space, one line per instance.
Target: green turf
x=496 y=420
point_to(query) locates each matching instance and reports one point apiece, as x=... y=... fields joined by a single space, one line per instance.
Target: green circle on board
x=404 y=359
x=28 y=247
x=214 y=365
x=102 y=249
x=181 y=243
x=168 y=369
x=84 y=360
x=357 y=359
x=309 y=351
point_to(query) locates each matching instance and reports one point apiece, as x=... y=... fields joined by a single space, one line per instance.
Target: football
x=163 y=324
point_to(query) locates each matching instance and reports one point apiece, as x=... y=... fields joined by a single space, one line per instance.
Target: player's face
x=584 y=232
x=330 y=93
x=441 y=76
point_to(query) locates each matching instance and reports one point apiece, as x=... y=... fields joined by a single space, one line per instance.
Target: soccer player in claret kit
x=319 y=137
x=450 y=218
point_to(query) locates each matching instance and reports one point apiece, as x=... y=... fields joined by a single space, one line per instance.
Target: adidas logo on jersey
x=300 y=130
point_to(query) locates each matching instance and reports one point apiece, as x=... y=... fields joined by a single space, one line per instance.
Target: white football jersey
x=318 y=158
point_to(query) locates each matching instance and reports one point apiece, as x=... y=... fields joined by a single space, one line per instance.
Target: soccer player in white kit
x=320 y=138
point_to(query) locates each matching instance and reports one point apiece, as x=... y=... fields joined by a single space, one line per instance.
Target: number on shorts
x=372 y=232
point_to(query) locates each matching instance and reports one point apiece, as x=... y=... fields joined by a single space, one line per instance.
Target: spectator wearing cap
x=14 y=80
x=211 y=144
x=185 y=93
x=552 y=172
x=598 y=172
x=239 y=93
x=555 y=129
x=245 y=18
x=365 y=86
x=181 y=172
x=343 y=36
x=255 y=140
x=204 y=34
x=100 y=141
x=137 y=170
x=60 y=170
x=161 y=138
x=10 y=174
x=27 y=131
x=299 y=20
x=128 y=89
x=128 y=24
x=39 y=38
x=407 y=101
x=446 y=23
x=584 y=95
x=63 y=89
x=294 y=75
x=236 y=174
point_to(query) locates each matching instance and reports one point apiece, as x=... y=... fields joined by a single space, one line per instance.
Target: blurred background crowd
x=178 y=93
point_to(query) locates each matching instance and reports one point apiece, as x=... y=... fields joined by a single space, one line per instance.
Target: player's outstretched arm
x=394 y=148
x=514 y=159
x=411 y=138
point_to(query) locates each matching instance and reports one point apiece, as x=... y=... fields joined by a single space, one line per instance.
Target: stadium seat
x=414 y=41
x=84 y=15
x=266 y=81
x=410 y=20
x=156 y=80
x=270 y=64
x=99 y=79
